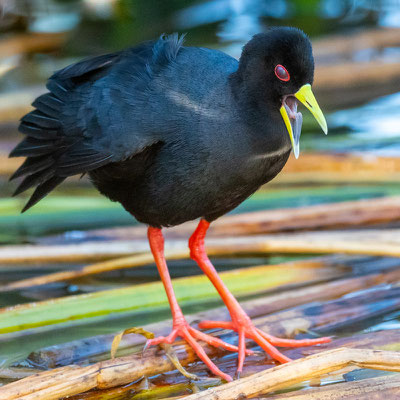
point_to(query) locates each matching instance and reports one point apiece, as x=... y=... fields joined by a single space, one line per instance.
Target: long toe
x=245 y=329
x=190 y=335
x=204 y=357
x=293 y=342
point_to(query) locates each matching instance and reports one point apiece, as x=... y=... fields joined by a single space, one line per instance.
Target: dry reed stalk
x=70 y=380
x=353 y=74
x=73 y=379
x=31 y=43
x=120 y=263
x=335 y=168
x=297 y=371
x=324 y=216
x=382 y=387
x=361 y=242
x=347 y=44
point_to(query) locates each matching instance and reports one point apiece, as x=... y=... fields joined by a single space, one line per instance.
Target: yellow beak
x=305 y=96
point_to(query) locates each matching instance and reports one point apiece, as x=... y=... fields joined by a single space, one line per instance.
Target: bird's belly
x=176 y=208
x=170 y=196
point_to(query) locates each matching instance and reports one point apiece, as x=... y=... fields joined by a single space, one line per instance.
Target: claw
x=145 y=347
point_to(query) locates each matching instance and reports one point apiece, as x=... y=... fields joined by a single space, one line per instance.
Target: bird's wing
x=87 y=119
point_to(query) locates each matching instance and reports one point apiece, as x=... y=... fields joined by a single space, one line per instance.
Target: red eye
x=282 y=73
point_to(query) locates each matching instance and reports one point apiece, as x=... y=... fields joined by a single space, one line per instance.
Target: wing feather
x=81 y=123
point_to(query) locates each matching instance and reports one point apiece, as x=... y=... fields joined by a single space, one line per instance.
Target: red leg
x=180 y=326
x=241 y=322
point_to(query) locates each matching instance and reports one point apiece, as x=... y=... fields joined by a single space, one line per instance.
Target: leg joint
x=196 y=241
x=196 y=249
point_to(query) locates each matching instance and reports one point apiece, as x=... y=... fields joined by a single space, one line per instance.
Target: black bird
x=176 y=133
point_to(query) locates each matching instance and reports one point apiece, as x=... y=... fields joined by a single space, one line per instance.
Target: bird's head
x=277 y=68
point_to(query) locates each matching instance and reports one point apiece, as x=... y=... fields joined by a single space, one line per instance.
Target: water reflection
x=239 y=19
x=375 y=125
x=227 y=20
x=379 y=117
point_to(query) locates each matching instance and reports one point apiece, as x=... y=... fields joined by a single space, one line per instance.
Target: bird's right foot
x=189 y=334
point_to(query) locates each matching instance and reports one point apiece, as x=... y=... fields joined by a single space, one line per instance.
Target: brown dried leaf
x=171 y=354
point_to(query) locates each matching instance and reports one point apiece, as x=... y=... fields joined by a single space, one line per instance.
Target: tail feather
x=37 y=132
x=42 y=145
x=32 y=165
x=32 y=147
x=54 y=145
x=42 y=191
x=35 y=179
x=48 y=107
x=49 y=104
x=58 y=90
x=51 y=155
x=41 y=119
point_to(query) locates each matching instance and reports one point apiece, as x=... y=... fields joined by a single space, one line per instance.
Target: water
x=375 y=126
x=369 y=130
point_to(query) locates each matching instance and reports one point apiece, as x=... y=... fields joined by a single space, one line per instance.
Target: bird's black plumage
x=171 y=132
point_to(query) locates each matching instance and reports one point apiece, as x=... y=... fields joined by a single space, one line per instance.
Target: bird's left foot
x=245 y=328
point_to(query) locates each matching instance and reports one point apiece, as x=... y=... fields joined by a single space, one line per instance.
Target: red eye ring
x=282 y=73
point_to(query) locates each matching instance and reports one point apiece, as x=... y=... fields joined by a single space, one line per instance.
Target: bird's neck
x=261 y=114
